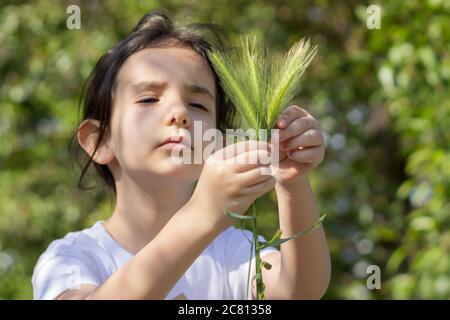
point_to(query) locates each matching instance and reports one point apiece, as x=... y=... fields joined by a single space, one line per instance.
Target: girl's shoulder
x=73 y=240
x=77 y=258
x=83 y=245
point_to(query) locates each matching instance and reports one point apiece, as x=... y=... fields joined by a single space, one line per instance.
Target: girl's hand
x=231 y=180
x=301 y=145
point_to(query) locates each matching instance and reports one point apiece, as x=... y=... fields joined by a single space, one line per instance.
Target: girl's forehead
x=166 y=63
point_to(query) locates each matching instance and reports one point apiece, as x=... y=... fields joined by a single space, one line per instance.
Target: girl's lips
x=174 y=140
x=171 y=144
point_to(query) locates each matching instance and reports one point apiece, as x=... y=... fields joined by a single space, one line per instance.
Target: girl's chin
x=180 y=160
x=182 y=170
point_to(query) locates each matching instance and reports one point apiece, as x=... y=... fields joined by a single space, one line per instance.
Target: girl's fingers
x=309 y=138
x=290 y=114
x=253 y=176
x=311 y=155
x=297 y=127
x=249 y=160
x=260 y=188
x=235 y=149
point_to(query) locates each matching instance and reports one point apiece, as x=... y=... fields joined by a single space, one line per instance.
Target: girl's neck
x=143 y=209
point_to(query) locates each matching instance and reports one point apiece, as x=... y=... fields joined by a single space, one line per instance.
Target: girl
x=168 y=236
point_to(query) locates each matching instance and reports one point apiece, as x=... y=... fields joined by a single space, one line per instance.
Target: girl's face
x=160 y=91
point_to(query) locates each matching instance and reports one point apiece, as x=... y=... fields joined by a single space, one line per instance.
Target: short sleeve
x=237 y=260
x=54 y=275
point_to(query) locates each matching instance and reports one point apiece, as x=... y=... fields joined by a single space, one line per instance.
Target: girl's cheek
x=209 y=122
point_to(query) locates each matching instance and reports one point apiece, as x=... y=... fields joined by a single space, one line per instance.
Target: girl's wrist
x=207 y=213
x=289 y=189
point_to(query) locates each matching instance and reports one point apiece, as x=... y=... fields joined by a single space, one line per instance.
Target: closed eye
x=148 y=100
x=154 y=100
x=198 y=105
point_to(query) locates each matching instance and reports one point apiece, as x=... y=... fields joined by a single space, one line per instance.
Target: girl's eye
x=148 y=100
x=198 y=105
x=153 y=100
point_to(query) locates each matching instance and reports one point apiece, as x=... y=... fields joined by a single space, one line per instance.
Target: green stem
x=249 y=269
x=258 y=273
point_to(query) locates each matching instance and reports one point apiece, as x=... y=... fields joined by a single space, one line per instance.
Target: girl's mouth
x=171 y=142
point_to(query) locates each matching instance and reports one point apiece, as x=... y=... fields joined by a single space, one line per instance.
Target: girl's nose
x=179 y=116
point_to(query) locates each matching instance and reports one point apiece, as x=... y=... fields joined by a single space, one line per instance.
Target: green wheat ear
x=285 y=76
x=259 y=84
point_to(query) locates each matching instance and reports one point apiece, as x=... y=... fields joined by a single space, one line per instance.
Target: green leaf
x=301 y=233
x=239 y=216
x=276 y=236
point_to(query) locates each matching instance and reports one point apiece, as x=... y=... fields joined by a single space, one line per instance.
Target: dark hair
x=155 y=29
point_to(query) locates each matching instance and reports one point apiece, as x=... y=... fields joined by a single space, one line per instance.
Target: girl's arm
x=224 y=183
x=302 y=269
x=152 y=272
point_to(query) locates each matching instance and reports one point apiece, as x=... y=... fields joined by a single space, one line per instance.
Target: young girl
x=168 y=236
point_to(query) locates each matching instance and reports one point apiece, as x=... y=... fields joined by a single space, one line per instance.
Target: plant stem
x=258 y=273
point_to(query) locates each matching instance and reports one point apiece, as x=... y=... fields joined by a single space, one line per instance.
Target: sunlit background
x=382 y=97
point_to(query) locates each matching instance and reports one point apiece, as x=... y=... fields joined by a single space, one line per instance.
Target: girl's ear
x=87 y=136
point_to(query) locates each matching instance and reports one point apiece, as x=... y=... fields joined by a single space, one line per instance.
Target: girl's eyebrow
x=161 y=85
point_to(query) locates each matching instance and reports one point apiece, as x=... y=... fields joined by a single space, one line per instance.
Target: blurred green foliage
x=382 y=97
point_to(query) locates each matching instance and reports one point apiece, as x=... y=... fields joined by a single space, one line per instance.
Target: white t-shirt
x=91 y=256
